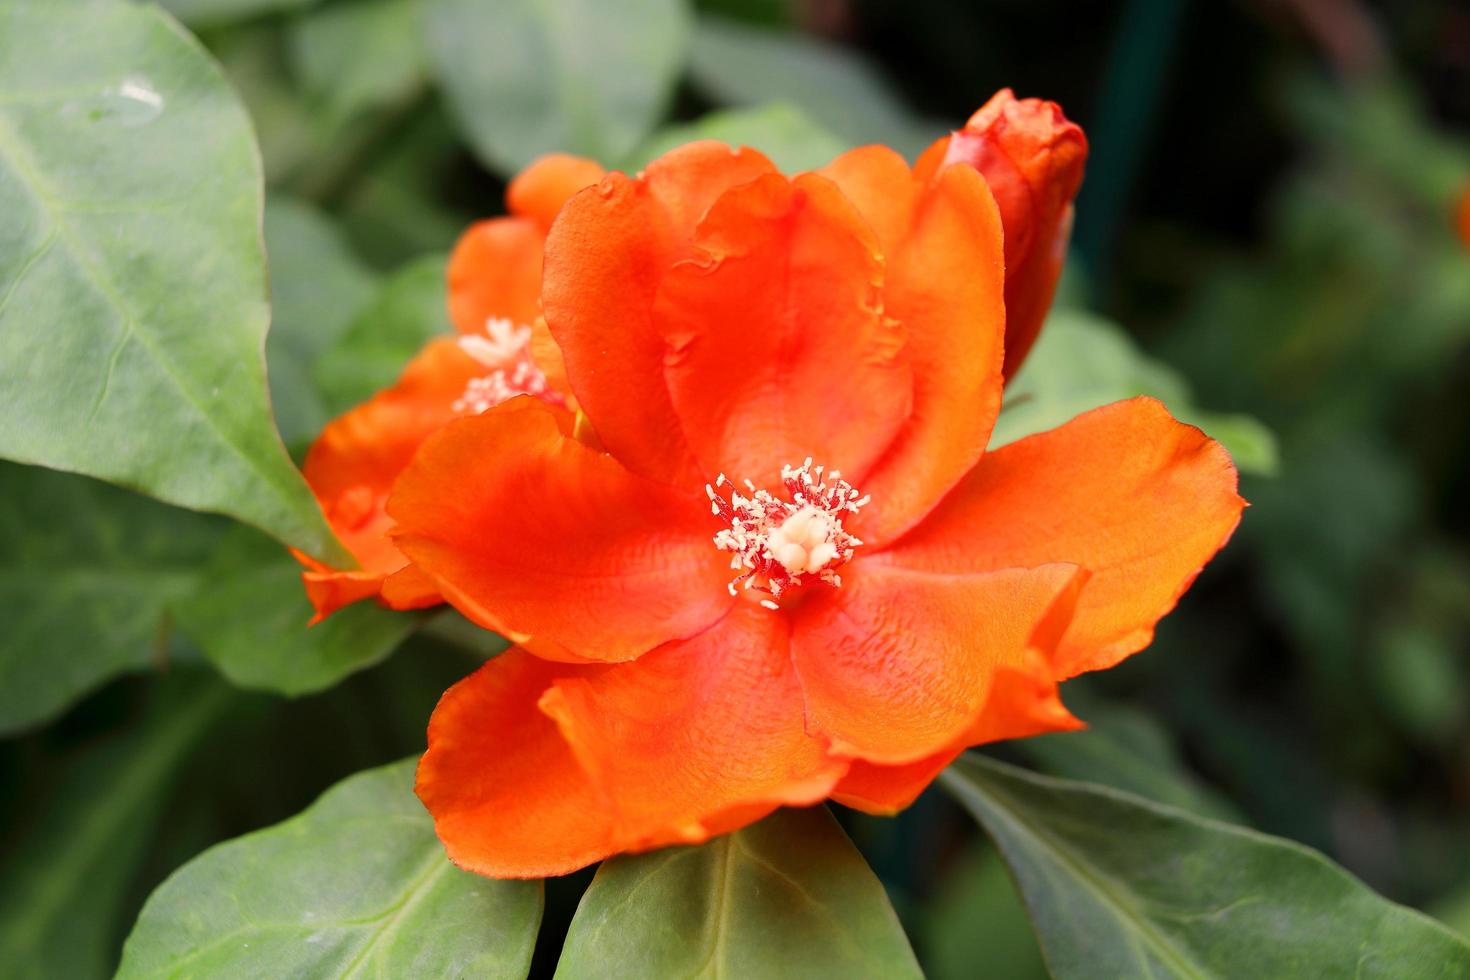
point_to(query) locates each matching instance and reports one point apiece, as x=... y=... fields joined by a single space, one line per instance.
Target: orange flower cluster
x=711 y=448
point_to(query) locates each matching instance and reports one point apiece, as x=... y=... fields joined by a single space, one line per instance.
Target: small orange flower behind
x=784 y=568
x=1462 y=216
x=1032 y=157
x=494 y=281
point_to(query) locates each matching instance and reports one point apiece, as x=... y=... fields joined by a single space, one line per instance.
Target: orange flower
x=1462 y=216
x=1032 y=157
x=494 y=280
x=696 y=652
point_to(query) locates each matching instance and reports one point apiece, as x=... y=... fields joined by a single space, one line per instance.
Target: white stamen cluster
x=505 y=348
x=774 y=542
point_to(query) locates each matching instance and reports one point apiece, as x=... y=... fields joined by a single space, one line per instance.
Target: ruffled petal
x=1023 y=701
x=897 y=664
x=495 y=271
x=1137 y=499
x=527 y=531
x=778 y=345
x=605 y=258
x=539 y=191
x=508 y=797
x=946 y=285
x=353 y=463
x=1032 y=156
x=697 y=738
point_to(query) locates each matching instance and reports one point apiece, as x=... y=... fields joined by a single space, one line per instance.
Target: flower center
x=774 y=543
x=505 y=348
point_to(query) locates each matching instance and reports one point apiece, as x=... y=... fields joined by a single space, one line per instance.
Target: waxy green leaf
x=132 y=278
x=356 y=884
x=67 y=879
x=787 y=897
x=528 y=77
x=1081 y=362
x=87 y=573
x=249 y=615
x=214 y=13
x=1118 y=886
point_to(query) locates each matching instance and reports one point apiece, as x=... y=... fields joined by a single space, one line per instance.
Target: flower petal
x=605 y=257
x=1139 y=500
x=527 y=531
x=946 y=284
x=778 y=343
x=1023 y=702
x=495 y=271
x=897 y=664
x=353 y=463
x=508 y=797
x=697 y=738
x=539 y=191
x=1032 y=156
x=696 y=733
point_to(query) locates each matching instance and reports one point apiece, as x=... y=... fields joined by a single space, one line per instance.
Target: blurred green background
x=1265 y=231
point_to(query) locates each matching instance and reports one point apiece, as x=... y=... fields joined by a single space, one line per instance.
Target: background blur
x=1266 y=231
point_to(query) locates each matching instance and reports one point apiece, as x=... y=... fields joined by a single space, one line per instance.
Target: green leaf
x=87 y=572
x=213 y=13
x=317 y=286
x=132 y=277
x=787 y=897
x=976 y=926
x=1118 y=886
x=527 y=77
x=409 y=310
x=842 y=92
x=1128 y=750
x=779 y=130
x=356 y=883
x=354 y=57
x=1082 y=361
x=67 y=879
x=249 y=616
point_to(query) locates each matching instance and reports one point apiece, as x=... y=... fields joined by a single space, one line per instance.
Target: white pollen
x=504 y=348
x=775 y=542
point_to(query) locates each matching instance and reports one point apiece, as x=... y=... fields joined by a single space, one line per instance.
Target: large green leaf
x=787 y=897
x=1082 y=361
x=779 y=130
x=975 y=925
x=1118 y=886
x=408 y=310
x=67 y=879
x=526 y=77
x=132 y=278
x=355 y=884
x=751 y=66
x=317 y=286
x=249 y=614
x=87 y=572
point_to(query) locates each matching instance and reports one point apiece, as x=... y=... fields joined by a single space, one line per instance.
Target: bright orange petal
x=1132 y=496
x=605 y=257
x=1023 y=701
x=697 y=738
x=881 y=186
x=508 y=797
x=778 y=343
x=897 y=665
x=697 y=735
x=353 y=463
x=946 y=284
x=539 y=191
x=495 y=271
x=527 y=531
x=1032 y=156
